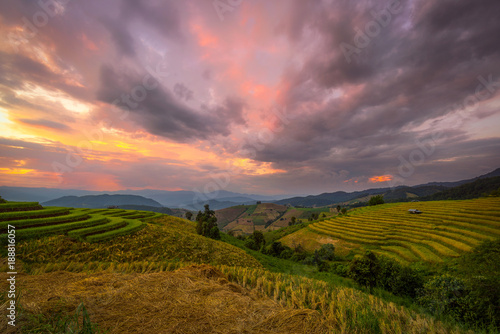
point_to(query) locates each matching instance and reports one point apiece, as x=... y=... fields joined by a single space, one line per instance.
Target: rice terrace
x=249 y=167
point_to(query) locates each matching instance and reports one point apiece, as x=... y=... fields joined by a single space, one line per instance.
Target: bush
x=365 y=270
x=250 y=243
x=481 y=270
x=325 y=253
x=339 y=269
x=445 y=295
x=376 y=200
x=398 y=279
x=275 y=249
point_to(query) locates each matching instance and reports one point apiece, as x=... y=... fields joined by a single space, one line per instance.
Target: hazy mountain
x=172 y=199
x=329 y=198
x=101 y=201
x=494 y=173
x=470 y=190
x=40 y=194
x=223 y=199
x=391 y=195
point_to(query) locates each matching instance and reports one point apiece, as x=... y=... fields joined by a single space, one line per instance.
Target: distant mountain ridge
x=223 y=199
x=390 y=194
x=172 y=199
x=102 y=201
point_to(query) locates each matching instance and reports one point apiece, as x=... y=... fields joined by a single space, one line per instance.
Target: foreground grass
x=145 y=283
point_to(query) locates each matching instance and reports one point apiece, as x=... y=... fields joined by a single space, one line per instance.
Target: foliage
x=376 y=200
x=445 y=294
x=255 y=241
x=189 y=215
x=399 y=279
x=481 y=270
x=365 y=270
x=314 y=216
x=2 y=200
x=344 y=211
x=206 y=224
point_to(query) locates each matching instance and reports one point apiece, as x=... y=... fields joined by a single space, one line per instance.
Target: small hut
x=414 y=211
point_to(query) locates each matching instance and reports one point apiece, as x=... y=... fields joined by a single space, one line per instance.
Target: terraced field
x=445 y=228
x=31 y=220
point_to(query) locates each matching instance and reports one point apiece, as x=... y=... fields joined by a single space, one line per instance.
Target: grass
x=146 y=282
x=446 y=229
x=83 y=224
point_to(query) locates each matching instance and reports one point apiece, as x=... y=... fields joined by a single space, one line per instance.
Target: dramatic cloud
x=265 y=96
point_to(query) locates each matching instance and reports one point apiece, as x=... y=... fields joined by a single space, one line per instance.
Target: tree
x=2 y=200
x=365 y=270
x=293 y=220
x=258 y=237
x=323 y=215
x=344 y=211
x=206 y=223
x=189 y=215
x=338 y=208
x=376 y=200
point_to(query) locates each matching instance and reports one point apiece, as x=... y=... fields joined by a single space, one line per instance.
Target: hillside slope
x=445 y=229
x=470 y=190
x=127 y=286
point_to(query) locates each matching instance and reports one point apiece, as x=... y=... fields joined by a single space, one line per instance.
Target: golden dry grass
x=196 y=299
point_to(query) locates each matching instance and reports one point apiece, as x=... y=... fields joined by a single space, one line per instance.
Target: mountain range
x=217 y=200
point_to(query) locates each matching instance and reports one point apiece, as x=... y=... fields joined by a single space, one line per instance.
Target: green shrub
x=365 y=270
x=376 y=200
x=445 y=295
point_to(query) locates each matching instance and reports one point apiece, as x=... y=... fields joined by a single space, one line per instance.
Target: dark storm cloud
x=426 y=60
x=122 y=39
x=160 y=113
x=15 y=69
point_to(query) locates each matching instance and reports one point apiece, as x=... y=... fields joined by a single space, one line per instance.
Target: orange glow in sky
x=381 y=178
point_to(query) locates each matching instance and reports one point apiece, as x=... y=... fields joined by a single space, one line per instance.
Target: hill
x=494 y=173
x=162 y=209
x=445 y=229
x=474 y=189
x=101 y=201
x=244 y=219
x=147 y=283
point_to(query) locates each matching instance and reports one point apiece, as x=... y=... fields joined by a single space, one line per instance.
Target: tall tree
x=206 y=223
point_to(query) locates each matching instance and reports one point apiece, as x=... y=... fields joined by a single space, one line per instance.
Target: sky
x=251 y=96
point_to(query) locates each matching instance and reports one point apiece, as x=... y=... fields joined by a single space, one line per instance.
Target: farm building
x=415 y=211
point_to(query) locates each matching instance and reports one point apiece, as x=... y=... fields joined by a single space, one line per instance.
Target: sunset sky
x=252 y=96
